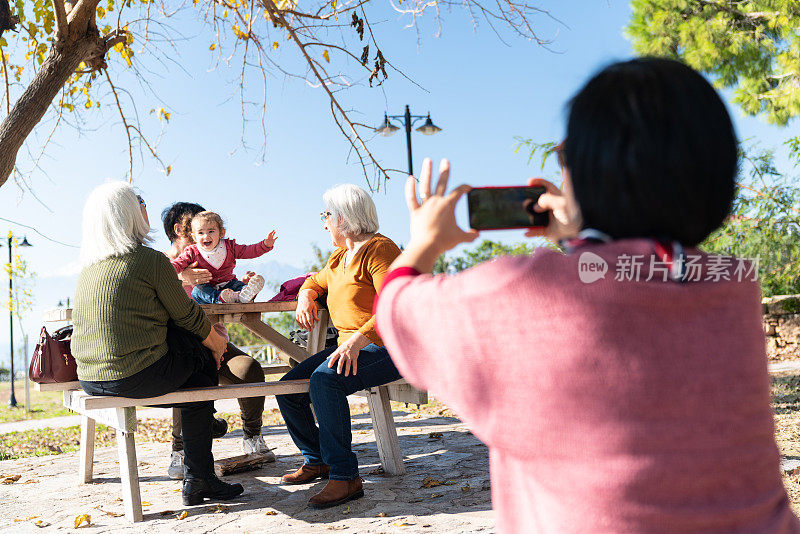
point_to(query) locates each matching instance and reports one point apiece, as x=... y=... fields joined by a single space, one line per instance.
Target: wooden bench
x=119 y=413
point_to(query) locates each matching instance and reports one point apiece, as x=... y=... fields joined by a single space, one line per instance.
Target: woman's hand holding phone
x=564 y=213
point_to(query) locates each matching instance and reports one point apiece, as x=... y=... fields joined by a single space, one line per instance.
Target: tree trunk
x=32 y=105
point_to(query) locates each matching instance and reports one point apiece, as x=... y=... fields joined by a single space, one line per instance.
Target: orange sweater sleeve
x=319 y=282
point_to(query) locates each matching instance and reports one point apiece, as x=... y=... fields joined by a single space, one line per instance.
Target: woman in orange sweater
x=350 y=279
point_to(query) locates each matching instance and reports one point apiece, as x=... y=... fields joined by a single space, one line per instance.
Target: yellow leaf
x=182 y=515
x=270 y=512
x=225 y=13
x=275 y=45
x=213 y=46
x=88 y=104
x=169 y=169
x=145 y=503
x=83 y=518
x=326 y=56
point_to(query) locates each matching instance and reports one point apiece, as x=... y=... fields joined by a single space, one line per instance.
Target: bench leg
x=318 y=334
x=385 y=431
x=85 y=470
x=129 y=476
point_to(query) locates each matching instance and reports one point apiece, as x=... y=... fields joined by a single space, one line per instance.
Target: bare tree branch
x=60 y=13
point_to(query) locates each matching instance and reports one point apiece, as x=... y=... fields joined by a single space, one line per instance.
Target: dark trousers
x=331 y=442
x=186 y=364
x=237 y=368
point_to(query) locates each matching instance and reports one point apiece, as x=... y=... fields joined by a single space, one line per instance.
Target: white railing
x=265 y=354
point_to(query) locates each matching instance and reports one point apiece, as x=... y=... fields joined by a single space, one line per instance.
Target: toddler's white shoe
x=249 y=292
x=175 y=469
x=228 y=296
x=256 y=445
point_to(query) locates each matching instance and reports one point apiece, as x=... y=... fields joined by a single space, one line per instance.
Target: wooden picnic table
x=119 y=412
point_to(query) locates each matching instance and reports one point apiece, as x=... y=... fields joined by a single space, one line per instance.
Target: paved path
x=437 y=447
x=784 y=367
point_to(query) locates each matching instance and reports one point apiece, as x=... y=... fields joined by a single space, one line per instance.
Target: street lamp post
x=12 y=400
x=387 y=128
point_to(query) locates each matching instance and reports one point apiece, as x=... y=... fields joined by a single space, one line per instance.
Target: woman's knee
x=326 y=378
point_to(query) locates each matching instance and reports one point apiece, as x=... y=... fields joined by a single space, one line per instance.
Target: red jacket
x=225 y=271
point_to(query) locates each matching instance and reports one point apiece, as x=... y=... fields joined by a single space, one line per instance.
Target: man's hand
x=191 y=276
x=345 y=357
x=247 y=276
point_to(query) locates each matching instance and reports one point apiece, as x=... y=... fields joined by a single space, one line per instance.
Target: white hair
x=353 y=210
x=113 y=223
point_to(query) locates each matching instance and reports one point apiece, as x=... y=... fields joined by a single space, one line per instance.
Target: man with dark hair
x=237 y=366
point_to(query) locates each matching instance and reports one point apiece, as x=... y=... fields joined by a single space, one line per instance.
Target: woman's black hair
x=175 y=214
x=651 y=151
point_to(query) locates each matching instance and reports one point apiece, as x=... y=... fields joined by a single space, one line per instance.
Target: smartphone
x=498 y=208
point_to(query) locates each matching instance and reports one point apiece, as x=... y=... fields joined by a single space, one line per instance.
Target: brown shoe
x=337 y=492
x=306 y=473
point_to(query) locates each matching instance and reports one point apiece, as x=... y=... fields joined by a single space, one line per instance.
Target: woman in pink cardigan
x=620 y=386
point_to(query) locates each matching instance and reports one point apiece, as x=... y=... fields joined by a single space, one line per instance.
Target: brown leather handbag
x=52 y=360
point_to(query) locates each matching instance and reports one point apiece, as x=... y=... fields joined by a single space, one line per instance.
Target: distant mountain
x=274 y=272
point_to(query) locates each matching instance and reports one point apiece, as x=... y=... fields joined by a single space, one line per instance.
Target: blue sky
x=481 y=91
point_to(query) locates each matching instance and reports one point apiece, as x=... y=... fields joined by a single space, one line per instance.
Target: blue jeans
x=208 y=294
x=331 y=443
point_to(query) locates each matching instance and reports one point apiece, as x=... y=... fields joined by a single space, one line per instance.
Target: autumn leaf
x=326 y=56
x=42 y=524
x=275 y=45
x=430 y=482
x=145 y=503
x=212 y=47
x=169 y=169
x=270 y=512
x=218 y=509
x=83 y=518
x=382 y=514
x=182 y=515
x=10 y=479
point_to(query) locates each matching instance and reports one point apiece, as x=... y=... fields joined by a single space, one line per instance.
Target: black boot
x=219 y=427
x=197 y=489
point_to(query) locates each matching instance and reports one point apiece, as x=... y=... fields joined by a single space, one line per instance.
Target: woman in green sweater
x=137 y=334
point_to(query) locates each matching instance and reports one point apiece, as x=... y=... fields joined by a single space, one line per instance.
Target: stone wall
x=782 y=326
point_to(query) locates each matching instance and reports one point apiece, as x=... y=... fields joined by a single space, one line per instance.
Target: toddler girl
x=219 y=256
